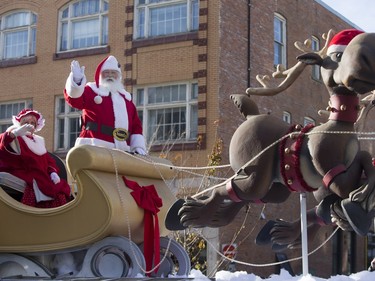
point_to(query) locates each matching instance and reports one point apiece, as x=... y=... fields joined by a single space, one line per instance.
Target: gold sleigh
x=102 y=225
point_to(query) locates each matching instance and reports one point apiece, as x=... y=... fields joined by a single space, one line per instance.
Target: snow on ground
x=284 y=276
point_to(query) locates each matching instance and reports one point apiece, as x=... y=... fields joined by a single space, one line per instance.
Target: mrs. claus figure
x=109 y=117
x=24 y=155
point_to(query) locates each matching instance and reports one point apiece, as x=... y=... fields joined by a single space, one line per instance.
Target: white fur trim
x=11 y=128
x=37 y=145
x=99 y=142
x=336 y=49
x=111 y=63
x=137 y=140
x=121 y=118
x=39 y=195
x=72 y=88
x=99 y=91
x=105 y=93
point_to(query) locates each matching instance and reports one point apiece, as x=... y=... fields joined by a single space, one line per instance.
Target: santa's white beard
x=111 y=85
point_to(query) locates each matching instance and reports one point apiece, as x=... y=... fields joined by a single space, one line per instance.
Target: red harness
x=342 y=108
x=290 y=149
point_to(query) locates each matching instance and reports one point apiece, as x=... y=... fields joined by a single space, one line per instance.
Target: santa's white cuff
x=72 y=88
x=137 y=140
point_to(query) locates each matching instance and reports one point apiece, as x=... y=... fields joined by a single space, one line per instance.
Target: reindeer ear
x=310 y=59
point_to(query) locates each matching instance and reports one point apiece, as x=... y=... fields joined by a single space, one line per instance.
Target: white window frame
x=287 y=117
x=9 y=109
x=315 y=46
x=279 y=40
x=70 y=20
x=308 y=120
x=68 y=114
x=190 y=103
x=29 y=26
x=143 y=11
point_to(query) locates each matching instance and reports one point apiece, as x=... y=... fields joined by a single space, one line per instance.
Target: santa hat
x=339 y=42
x=24 y=112
x=109 y=63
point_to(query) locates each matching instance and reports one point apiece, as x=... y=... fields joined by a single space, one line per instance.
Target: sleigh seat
x=15 y=187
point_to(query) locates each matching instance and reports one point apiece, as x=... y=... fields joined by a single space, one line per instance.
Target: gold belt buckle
x=120 y=134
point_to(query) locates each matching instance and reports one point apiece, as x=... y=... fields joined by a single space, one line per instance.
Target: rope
x=128 y=221
x=274 y=263
x=185 y=169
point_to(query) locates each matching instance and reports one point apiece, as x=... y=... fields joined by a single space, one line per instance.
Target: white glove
x=78 y=71
x=139 y=151
x=23 y=130
x=55 y=178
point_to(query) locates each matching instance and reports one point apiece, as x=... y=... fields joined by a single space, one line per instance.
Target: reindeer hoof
x=172 y=220
x=264 y=238
x=323 y=210
x=278 y=248
x=358 y=218
x=264 y=235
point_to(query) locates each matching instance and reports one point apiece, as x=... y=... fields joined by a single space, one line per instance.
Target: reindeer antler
x=367 y=103
x=290 y=75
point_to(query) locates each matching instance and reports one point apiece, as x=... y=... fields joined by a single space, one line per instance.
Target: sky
x=359 y=12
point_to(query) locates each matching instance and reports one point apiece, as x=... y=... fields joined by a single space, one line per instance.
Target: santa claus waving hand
x=109 y=117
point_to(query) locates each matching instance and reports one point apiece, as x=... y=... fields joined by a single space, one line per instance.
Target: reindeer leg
x=359 y=208
x=213 y=211
x=287 y=235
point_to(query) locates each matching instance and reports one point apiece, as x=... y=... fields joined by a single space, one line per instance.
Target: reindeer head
x=349 y=67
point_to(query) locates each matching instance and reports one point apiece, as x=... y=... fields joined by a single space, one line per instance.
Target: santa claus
x=109 y=117
x=24 y=155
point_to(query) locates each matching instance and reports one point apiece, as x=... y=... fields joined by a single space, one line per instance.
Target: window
x=18 y=35
x=67 y=125
x=83 y=24
x=10 y=109
x=287 y=117
x=308 y=120
x=279 y=29
x=315 y=74
x=163 y=17
x=168 y=112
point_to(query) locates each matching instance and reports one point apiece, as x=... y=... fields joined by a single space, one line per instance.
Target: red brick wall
x=304 y=98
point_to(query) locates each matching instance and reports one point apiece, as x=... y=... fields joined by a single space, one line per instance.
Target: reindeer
x=324 y=159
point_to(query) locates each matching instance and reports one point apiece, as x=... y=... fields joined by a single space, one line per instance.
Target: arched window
x=287 y=117
x=308 y=120
x=18 y=34
x=83 y=24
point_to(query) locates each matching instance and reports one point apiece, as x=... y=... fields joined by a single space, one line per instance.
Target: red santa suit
x=104 y=113
x=26 y=157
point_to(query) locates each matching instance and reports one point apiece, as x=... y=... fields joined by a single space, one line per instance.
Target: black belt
x=118 y=133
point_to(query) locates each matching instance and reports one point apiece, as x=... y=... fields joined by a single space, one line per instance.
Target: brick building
x=181 y=60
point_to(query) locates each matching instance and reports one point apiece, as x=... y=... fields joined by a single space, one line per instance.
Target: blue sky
x=359 y=12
